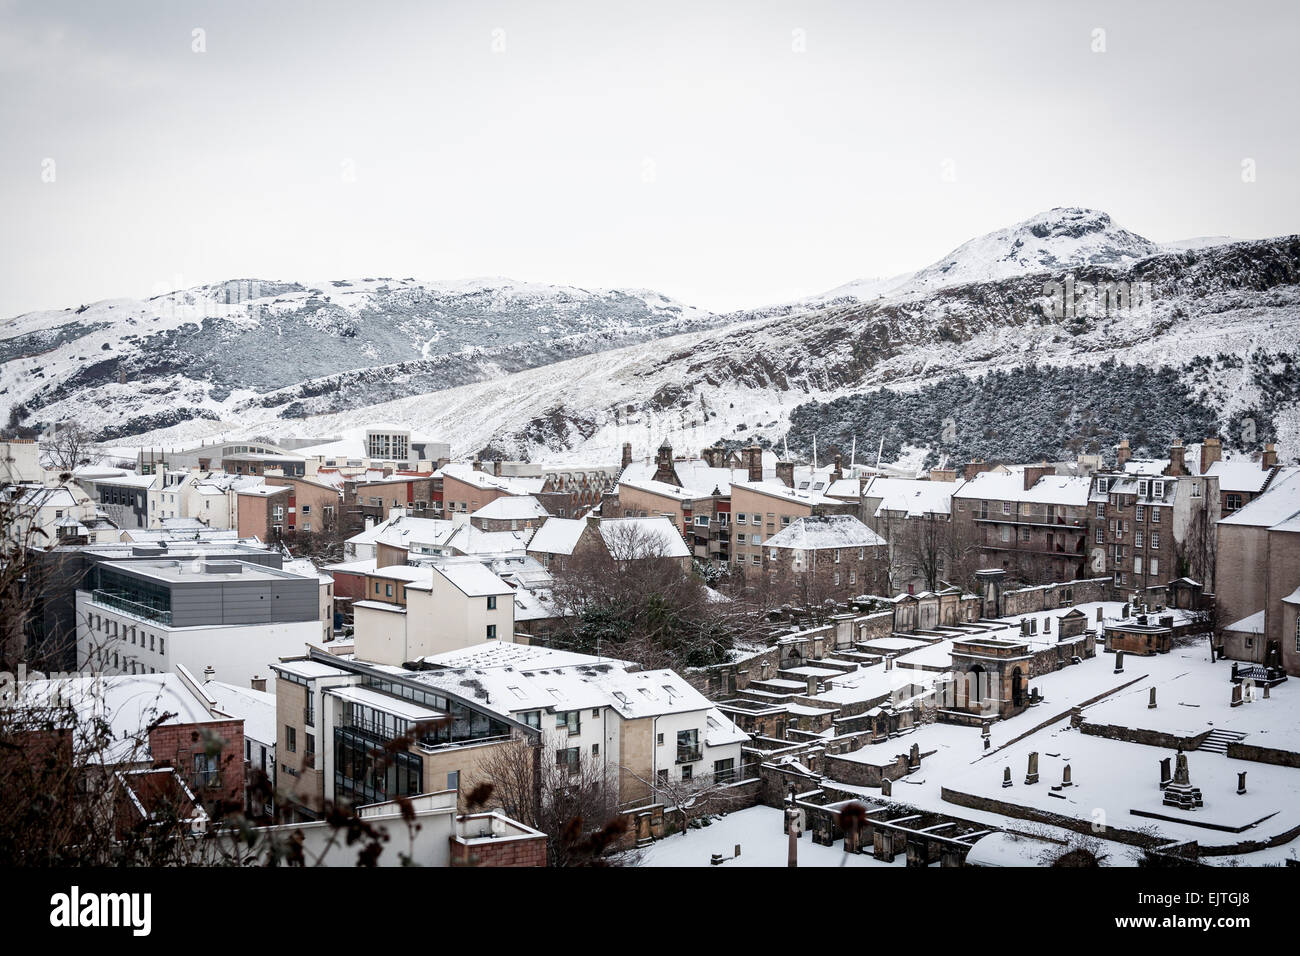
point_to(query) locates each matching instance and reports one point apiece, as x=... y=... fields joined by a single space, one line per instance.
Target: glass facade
x=132 y=595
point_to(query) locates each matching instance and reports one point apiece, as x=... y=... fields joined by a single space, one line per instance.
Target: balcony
x=688 y=754
x=115 y=601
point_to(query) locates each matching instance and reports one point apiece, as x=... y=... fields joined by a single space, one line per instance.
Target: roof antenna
x=814 y=463
x=853 y=455
x=880 y=451
x=785 y=444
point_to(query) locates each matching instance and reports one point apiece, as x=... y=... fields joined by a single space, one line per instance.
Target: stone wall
x=1050 y=596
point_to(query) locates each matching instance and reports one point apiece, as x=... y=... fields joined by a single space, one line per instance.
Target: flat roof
x=196 y=570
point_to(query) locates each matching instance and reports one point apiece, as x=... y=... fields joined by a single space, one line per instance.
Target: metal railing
x=134 y=608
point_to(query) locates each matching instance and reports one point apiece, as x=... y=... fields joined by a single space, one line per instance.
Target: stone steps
x=1217 y=741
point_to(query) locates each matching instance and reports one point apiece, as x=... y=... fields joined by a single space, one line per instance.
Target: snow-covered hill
x=1211 y=307
x=125 y=366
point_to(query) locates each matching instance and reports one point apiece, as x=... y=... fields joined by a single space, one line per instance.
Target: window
x=291 y=739
x=1155 y=515
x=688 y=745
x=569 y=758
x=659 y=740
x=687 y=772
x=1006 y=507
x=206 y=773
x=1137 y=540
x=531 y=718
x=1142 y=489
x=755 y=539
x=491 y=632
x=309 y=751
x=1155 y=540
x=492 y=602
x=724 y=771
x=1155 y=565
x=1157 y=489
x=1102 y=485
x=1141 y=512
x=1232 y=503
x=1101 y=535
x=595 y=750
x=570 y=720
x=453 y=780
x=1137 y=565
x=595 y=711
x=702 y=521
x=740 y=517
x=1006 y=534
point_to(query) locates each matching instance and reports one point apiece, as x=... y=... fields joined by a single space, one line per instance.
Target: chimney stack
x=1122 y=454
x=258 y=683
x=1211 y=451
x=754 y=462
x=496 y=467
x=1270 y=457
x=838 y=473
x=1035 y=472
x=976 y=467
x=1177 y=459
x=943 y=474
x=209 y=673
x=627 y=454
x=785 y=472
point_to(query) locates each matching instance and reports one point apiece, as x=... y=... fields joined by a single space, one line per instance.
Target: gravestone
x=1165 y=775
x=1236 y=695
x=1151 y=704
x=1031 y=777
x=1065 y=777
x=1006 y=776
x=886 y=787
x=1119 y=662
x=1241 y=782
x=914 y=757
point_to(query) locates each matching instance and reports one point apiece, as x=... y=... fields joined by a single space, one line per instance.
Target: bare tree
x=70 y=447
x=568 y=795
x=628 y=598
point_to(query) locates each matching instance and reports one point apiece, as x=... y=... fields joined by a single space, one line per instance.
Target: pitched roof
x=557 y=535
x=655 y=537
x=824 y=531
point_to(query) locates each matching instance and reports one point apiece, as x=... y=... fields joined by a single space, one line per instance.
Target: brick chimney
x=715 y=456
x=627 y=454
x=1122 y=454
x=1035 y=472
x=943 y=474
x=754 y=462
x=838 y=473
x=976 y=467
x=258 y=683
x=1177 y=459
x=664 y=470
x=785 y=472
x=1270 y=456
x=1211 y=451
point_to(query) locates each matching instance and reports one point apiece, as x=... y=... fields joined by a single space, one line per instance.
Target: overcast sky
x=726 y=154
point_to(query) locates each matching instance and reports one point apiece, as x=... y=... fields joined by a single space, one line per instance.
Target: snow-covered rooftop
x=821 y=532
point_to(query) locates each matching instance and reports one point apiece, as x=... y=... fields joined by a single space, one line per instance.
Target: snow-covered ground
x=759 y=831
